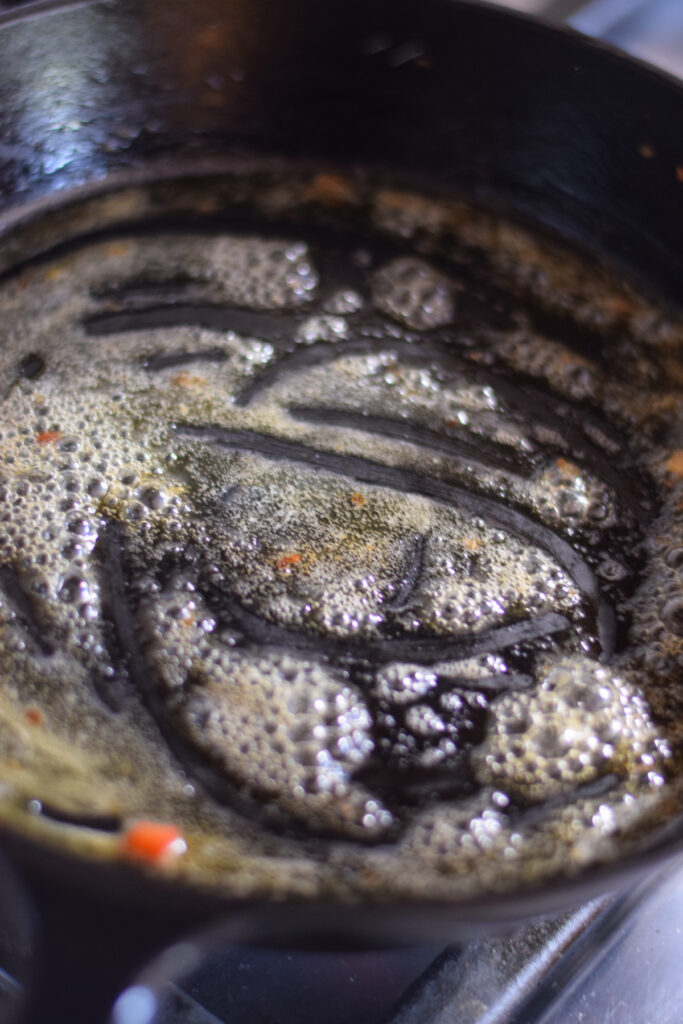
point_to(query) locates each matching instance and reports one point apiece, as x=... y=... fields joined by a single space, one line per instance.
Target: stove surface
x=616 y=959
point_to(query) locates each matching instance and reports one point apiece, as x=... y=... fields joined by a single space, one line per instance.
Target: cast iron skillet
x=439 y=94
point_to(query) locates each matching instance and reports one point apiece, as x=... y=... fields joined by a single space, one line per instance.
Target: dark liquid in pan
x=348 y=528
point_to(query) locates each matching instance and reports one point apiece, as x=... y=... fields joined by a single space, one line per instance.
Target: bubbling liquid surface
x=348 y=540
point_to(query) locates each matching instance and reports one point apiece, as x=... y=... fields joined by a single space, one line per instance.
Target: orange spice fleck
x=332 y=189
x=475 y=357
x=208 y=203
x=118 y=249
x=153 y=841
x=646 y=151
x=679 y=173
x=674 y=464
x=54 y=273
x=288 y=560
x=666 y=403
x=567 y=469
x=572 y=359
x=33 y=715
x=357 y=499
x=472 y=544
x=619 y=305
x=187 y=380
x=48 y=436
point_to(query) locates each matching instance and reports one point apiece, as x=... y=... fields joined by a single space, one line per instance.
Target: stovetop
x=615 y=960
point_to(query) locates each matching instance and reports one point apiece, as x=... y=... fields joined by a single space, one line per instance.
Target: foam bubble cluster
x=412 y=292
x=582 y=722
x=282 y=728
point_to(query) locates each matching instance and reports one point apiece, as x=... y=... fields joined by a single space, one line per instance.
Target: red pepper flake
x=332 y=189
x=49 y=437
x=188 y=380
x=679 y=173
x=288 y=560
x=619 y=305
x=118 y=249
x=153 y=840
x=567 y=469
x=357 y=499
x=33 y=715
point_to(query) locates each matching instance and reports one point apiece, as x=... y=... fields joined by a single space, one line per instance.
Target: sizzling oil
x=347 y=539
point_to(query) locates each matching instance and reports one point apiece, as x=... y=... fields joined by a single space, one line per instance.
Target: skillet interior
x=475 y=149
